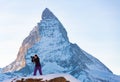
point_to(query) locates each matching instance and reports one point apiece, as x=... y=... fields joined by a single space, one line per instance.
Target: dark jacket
x=37 y=61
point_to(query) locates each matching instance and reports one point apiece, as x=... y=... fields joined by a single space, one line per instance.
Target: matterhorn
x=57 y=54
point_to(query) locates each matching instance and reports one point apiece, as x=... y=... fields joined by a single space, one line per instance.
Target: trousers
x=39 y=69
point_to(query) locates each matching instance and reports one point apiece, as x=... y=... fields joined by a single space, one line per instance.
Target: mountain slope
x=20 y=60
x=49 y=40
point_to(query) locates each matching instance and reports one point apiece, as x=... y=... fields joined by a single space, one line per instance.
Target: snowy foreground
x=46 y=77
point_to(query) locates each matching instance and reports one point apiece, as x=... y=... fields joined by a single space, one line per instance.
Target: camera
x=32 y=58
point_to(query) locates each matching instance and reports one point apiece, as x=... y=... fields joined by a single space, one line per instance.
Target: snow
x=47 y=77
x=53 y=67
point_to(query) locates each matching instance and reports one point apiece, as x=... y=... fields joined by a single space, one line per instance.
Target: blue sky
x=92 y=24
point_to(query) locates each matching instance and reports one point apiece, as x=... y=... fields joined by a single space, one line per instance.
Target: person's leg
x=40 y=71
x=35 y=70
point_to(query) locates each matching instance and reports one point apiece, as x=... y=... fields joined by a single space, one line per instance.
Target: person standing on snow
x=36 y=60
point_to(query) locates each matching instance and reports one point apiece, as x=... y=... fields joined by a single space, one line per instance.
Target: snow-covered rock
x=57 y=55
x=45 y=77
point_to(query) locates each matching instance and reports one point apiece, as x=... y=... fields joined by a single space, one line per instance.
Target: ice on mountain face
x=57 y=55
x=52 y=68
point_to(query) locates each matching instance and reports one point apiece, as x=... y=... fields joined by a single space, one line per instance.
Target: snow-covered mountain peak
x=50 y=28
x=48 y=32
x=50 y=42
x=47 y=14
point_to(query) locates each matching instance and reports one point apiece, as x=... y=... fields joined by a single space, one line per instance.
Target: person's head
x=35 y=56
